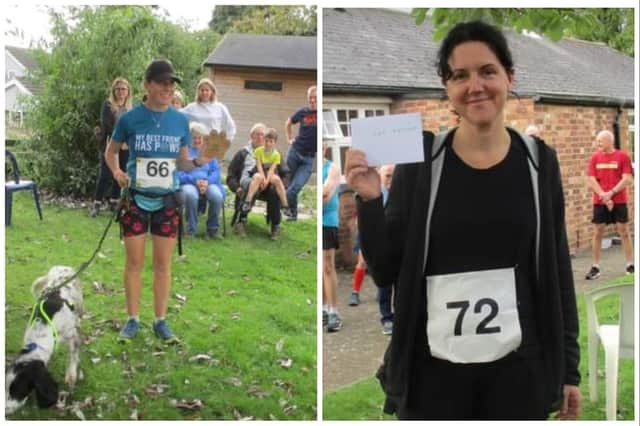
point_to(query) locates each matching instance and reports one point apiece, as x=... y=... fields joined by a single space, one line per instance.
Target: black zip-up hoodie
x=393 y=244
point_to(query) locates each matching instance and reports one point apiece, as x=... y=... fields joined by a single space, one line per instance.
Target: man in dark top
x=302 y=152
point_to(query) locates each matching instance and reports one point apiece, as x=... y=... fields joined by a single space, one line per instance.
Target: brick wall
x=248 y=107
x=571 y=130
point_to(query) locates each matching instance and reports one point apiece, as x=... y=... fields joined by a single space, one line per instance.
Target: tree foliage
x=92 y=46
x=277 y=20
x=614 y=27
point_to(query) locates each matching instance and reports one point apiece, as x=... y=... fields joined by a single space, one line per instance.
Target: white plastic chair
x=617 y=341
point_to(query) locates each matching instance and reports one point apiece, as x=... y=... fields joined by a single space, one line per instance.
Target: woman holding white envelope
x=474 y=238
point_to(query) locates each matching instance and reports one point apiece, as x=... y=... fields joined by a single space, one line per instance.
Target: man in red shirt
x=609 y=175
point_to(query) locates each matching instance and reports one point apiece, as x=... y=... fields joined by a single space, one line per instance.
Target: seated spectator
x=203 y=181
x=267 y=171
x=239 y=177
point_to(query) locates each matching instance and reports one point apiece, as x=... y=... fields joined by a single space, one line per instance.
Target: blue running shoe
x=162 y=330
x=129 y=330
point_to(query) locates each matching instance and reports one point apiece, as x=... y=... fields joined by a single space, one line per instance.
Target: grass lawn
x=246 y=306
x=363 y=400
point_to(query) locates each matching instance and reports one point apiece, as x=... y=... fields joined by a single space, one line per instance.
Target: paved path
x=355 y=352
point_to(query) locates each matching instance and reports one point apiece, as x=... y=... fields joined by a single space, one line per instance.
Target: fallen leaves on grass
x=254 y=390
x=232 y=293
x=187 y=404
x=235 y=316
x=303 y=254
x=241 y=417
x=200 y=358
x=285 y=362
x=156 y=389
x=180 y=297
x=279 y=345
x=233 y=381
x=214 y=327
x=287 y=408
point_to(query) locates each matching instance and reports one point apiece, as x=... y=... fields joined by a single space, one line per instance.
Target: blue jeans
x=215 y=199
x=384 y=301
x=300 y=168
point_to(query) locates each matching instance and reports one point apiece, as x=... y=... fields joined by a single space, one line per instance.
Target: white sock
x=595 y=265
x=333 y=310
x=136 y=318
x=158 y=319
x=325 y=307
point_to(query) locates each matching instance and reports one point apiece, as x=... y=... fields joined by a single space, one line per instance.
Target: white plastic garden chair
x=617 y=341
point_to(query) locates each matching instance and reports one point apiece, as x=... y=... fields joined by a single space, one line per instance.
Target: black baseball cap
x=161 y=70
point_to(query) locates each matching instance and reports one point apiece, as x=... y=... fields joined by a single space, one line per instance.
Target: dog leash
x=121 y=204
x=39 y=307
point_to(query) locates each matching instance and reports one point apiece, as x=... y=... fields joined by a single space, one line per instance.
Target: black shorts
x=601 y=214
x=330 y=238
x=136 y=221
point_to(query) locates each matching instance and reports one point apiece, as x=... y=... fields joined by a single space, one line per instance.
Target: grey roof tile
x=383 y=50
x=266 y=51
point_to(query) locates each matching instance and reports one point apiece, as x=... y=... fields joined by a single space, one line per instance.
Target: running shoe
x=334 y=323
x=129 y=330
x=387 y=328
x=325 y=318
x=593 y=273
x=630 y=269
x=354 y=300
x=162 y=330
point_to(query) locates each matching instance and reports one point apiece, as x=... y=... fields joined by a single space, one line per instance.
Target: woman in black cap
x=158 y=139
x=474 y=238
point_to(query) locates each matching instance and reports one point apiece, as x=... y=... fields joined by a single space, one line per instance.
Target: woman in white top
x=208 y=111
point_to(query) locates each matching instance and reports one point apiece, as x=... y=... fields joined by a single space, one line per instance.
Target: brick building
x=378 y=62
x=262 y=78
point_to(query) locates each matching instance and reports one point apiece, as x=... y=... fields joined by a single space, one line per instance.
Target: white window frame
x=335 y=145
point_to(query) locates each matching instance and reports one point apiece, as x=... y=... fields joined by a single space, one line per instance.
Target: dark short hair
x=473 y=31
x=271 y=134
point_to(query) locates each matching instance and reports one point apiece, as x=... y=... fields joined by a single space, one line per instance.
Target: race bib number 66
x=155 y=172
x=472 y=317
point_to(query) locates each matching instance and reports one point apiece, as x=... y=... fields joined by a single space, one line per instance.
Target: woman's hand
x=571 y=404
x=361 y=178
x=121 y=177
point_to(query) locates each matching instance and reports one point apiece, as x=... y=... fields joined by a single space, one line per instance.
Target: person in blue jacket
x=202 y=182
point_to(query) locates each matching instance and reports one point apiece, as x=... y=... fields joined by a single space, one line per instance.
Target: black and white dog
x=55 y=317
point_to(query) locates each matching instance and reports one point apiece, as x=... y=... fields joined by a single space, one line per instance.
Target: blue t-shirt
x=154 y=140
x=306 y=141
x=330 y=209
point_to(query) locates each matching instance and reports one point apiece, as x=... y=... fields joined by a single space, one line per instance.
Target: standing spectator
x=208 y=111
x=330 y=242
x=302 y=151
x=385 y=291
x=609 y=175
x=474 y=238
x=239 y=177
x=202 y=182
x=118 y=102
x=159 y=139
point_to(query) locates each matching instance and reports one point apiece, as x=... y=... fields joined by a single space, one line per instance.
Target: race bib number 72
x=155 y=172
x=472 y=317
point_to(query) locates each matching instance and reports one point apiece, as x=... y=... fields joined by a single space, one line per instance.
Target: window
x=330 y=127
x=340 y=116
x=272 y=86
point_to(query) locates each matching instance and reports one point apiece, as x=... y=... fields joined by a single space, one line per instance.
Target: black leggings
x=508 y=389
x=106 y=185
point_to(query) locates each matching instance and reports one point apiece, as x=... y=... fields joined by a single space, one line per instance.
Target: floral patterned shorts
x=136 y=221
